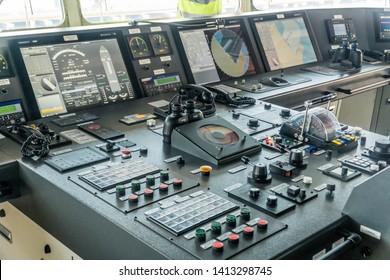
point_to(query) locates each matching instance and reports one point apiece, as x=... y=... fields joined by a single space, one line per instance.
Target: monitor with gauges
x=68 y=73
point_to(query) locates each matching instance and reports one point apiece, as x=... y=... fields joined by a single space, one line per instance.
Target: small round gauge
x=49 y=83
x=160 y=43
x=4 y=67
x=139 y=47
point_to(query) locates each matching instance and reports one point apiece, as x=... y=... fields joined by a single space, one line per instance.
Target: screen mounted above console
x=216 y=52
x=68 y=76
x=382 y=27
x=285 y=40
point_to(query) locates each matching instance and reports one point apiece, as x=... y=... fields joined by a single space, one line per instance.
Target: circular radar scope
x=230 y=53
x=218 y=135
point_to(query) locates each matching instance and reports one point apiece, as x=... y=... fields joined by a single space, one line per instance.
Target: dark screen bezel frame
x=207 y=23
x=377 y=27
x=287 y=15
x=59 y=38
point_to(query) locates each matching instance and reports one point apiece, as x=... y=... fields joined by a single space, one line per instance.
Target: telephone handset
x=224 y=97
x=202 y=96
x=373 y=56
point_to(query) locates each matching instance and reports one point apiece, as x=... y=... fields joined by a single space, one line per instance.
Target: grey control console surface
x=171 y=203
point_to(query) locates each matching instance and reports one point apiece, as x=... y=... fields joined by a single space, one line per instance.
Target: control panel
x=11 y=112
x=155 y=59
x=249 y=181
x=341 y=30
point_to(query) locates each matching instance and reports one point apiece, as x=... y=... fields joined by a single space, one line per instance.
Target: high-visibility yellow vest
x=198 y=8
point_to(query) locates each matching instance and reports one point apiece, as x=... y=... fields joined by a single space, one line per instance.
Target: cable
x=37 y=144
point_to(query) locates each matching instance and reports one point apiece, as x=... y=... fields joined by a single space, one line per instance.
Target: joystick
x=179 y=117
x=382 y=146
x=296 y=158
x=259 y=174
x=380 y=151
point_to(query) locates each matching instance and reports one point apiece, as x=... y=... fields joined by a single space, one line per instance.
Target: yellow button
x=205 y=169
x=336 y=142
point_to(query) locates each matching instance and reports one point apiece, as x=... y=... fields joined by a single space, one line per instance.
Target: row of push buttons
x=12 y=119
x=233 y=235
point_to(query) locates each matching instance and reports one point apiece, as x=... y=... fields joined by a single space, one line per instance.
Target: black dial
x=160 y=43
x=139 y=47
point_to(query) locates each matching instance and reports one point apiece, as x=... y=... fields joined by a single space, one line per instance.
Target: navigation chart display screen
x=216 y=54
x=71 y=76
x=285 y=42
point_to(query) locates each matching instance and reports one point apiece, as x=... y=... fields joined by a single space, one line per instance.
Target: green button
x=216 y=227
x=231 y=220
x=200 y=234
x=120 y=190
x=245 y=214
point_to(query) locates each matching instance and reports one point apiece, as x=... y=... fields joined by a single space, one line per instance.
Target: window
x=299 y=4
x=21 y=14
x=96 y=11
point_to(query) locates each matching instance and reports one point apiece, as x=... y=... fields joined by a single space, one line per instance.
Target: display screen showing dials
x=5 y=70
x=71 y=76
x=142 y=45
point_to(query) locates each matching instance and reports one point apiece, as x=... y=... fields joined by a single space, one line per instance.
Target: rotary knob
x=260 y=173
x=285 y=113
x=272 y=201
x=253 y=122
x=296 y=158
x=254 y=192
x=382 y=146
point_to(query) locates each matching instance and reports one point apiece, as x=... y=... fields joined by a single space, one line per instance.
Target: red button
x=177 y=183
x=133 y=198
x=248 y=231
x=148 y=192
x=234 y=238
x=263 y=224
x=163 y=187
x=218 y=246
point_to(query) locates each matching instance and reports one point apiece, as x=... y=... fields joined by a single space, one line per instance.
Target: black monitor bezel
x=377 y=27
x=281 y=16
x=64 y=38
x=207 y=23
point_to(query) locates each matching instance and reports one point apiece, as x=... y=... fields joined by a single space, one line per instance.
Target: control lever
x=308 y=103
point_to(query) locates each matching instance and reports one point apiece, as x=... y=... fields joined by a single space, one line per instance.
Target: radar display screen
x=216 y=53
x=70 y=76
x=285 y=41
